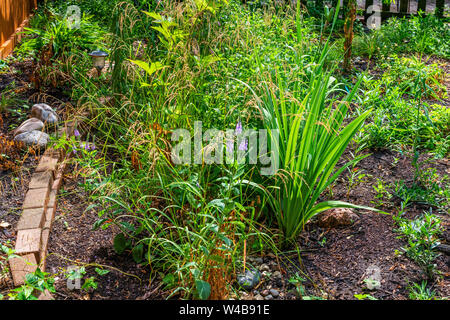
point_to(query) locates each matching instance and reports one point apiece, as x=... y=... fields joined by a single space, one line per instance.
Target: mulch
x=74 y=243
x=339 y=265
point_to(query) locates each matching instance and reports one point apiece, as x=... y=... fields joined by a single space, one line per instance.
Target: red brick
x=46 y=295
x=53 y=153
x=47 y=164
x=31 y=219
x=52 y=199
x=28 y=241
x=44 y=247
x=36 y=198
x=57 y=184
x=41 y=180
x=21 y=266
x=49 y=217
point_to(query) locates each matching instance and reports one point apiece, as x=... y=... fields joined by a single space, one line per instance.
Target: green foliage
x=173 y=63
x=364 y=297
x=311 y=143
x=382 y=193
x=36 y=281
x=421 y=292
x=58 y=37
x=428 y=35
x=394 y=117
x=421 y=235
x=429 y=189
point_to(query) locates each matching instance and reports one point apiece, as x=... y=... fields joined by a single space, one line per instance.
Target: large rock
x=336 y=218
x=249 y=279
x=44 y=112
x=29 y=125
x=33 y=138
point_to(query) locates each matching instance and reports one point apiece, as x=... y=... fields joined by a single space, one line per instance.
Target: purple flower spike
x=76 y=133
x=238 y=130
x=244 y=145
x=230 y=146
x=92 y=148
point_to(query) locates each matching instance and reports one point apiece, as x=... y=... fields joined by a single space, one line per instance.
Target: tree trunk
x=350 y=16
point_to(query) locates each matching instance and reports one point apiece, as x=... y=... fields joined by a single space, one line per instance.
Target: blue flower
x=238 y=130
x=230 y=146
x=244 y=145
x=76 y=133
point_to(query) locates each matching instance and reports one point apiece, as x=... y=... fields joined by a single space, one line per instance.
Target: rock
x=277 y=275
x=336 y=218
x=29 y=125
x=44 y=112
x=265 y=293
x=259 y=297
x=33 y=138
x=264 y=267
x=274 y=293
x=269 y=297
x=259 y=260
x=249 y=279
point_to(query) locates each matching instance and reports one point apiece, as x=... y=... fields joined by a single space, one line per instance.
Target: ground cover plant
x=356 y=123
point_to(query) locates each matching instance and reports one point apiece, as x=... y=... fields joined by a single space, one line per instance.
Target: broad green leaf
x=120 y=243
x=203 y=289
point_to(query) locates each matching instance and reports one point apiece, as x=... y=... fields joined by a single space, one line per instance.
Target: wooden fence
x=403 y=8
x=14 y=15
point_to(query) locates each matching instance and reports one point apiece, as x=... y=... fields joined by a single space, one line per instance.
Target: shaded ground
x=17 y=95
x=335 y=262
x=341 y=263
x=72 y=238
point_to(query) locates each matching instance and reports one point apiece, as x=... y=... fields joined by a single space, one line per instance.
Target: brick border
x=38 y=212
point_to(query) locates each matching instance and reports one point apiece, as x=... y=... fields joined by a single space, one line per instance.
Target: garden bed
x=132 y=223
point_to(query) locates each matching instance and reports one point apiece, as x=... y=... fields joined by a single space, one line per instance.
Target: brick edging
x=38 y=213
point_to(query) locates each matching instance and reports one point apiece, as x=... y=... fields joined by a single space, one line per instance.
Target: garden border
x=38 y=213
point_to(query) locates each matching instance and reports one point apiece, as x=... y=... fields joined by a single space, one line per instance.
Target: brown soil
x=72 y=238
x=338 y=267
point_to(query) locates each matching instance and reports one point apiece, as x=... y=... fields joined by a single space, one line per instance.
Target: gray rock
x=277 y=275
x=265 y=293
x=29 y=125
x=33 y=138
x=45 y=113
x=249 y=279
x=264 y=267
x=258 y=260
x=274 y=293
x=268 y=297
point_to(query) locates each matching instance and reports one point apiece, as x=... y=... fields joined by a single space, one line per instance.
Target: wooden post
x=422 y=5
x=403 y=6
x=367 y=5
x=386 y=6
x=349 y=19
x=440 y=8
x=385 y=9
